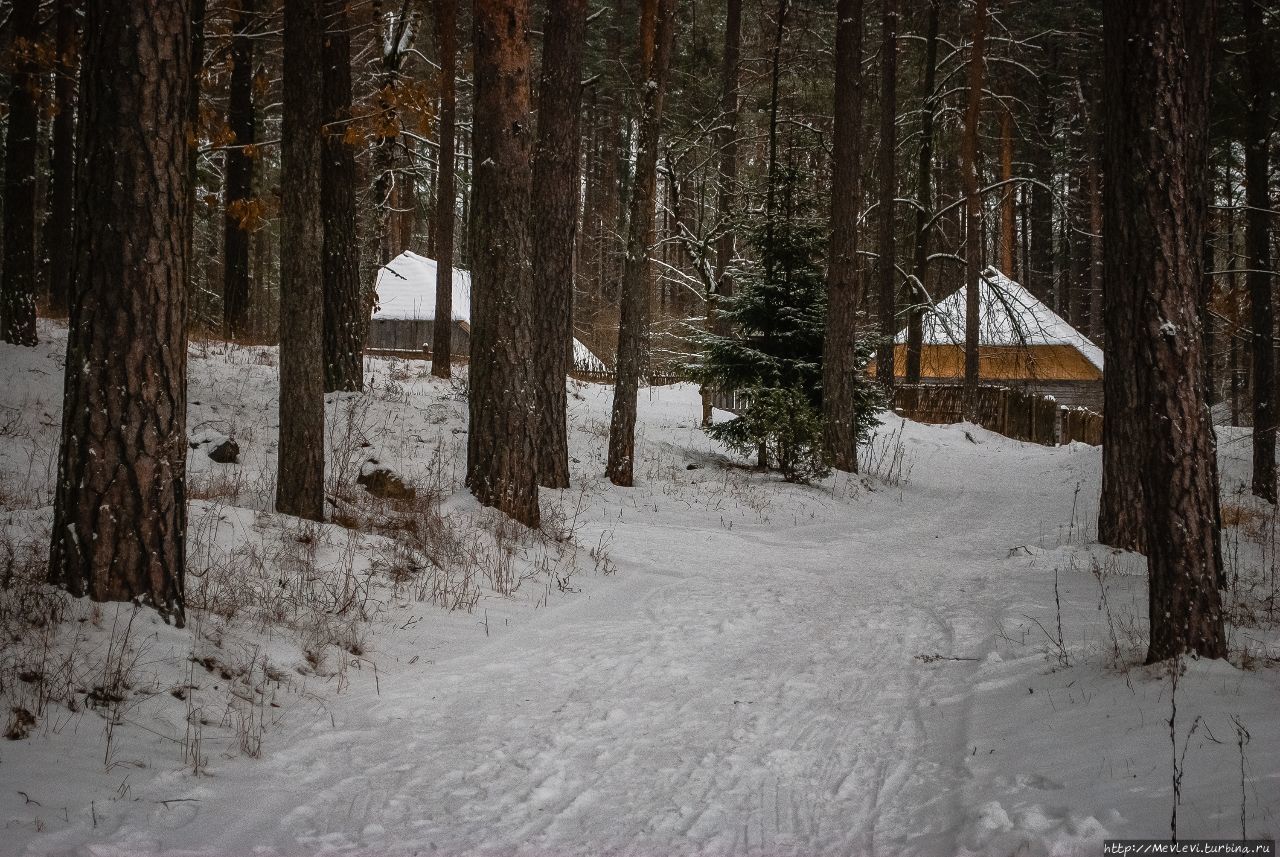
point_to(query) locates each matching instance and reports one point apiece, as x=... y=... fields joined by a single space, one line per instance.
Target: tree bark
x=612 y=180
x=1155 y=212
x=656 y=38
x=300 y=461
x=973 y=208
x=1257 y=231
x=119 y=515
x=345 y=319
x=727 y=145
x=771 y=181
x=62 y=168
x=1096 y=279
x=844 y=278
x=1008 y=198
x=501 y=456
x=18 y=274
x=554 y=225
x=238 y=215
x=1080 y=246
x=924 y=169
x=1040 y=280
x=886 y=249
x=447 y=47
x=198 y=10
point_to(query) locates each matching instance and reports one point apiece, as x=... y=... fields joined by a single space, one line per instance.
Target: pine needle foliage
x=771 y=352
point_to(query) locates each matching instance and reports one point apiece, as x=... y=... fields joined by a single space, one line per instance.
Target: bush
x=783 y=423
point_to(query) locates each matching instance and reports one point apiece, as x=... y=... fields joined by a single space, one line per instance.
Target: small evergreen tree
x=772 y=354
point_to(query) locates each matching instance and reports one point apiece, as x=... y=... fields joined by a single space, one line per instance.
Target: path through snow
x=773 y=670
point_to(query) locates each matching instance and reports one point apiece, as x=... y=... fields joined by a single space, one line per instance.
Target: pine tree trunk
x=1095 y=241
x=775 y=74
x=886 y=249
x=1079 y=250
x=656 y=38
x=554 y=224
x=501 y=456
x=300 y=479
x=442 y=330
x=727 y=145
x=408 y=211
x=588 y=231
x=1040 y=279
x=1008 y=198
x=1230 y=262
x=973 y=209
x=1259 y=78
x=1121 y=519
x=920 y=268
x=18 y=272
x=844 y=279
x=198 y=10
x=119 y=515
x=62 y=167
x=612 y=182
x=345 y=319
x=1120 y=510
x=238 y=219
x=1080 y=247
x=1156 y=146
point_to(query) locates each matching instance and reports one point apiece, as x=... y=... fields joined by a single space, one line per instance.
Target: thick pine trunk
x=501 y=455
x=885 y=245
x=1156 y=148
x=447 y=47
x=973 y=208
x=238 y=218
x=924 y=195
x=344 y=306
x=18 y=271
x=844 y=283
x=198 y=10
x=1120 y=510
x=62 y=167
x=119 y=515
x=300 y=473
x=656 y=38
x=553 y=230
x=1257 y=239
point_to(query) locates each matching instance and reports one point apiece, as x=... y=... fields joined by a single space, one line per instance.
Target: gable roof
x=1008 y=315
x=406 y=291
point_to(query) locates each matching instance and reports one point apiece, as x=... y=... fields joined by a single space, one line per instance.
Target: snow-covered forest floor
x=931 y=658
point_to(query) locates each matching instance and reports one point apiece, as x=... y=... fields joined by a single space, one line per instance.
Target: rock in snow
x=381 y=481
x=219 y=447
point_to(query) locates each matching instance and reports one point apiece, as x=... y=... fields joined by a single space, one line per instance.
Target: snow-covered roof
x=1007 y=315
x=406 y=290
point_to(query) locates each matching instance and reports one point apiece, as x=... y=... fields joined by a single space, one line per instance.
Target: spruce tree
x=771 y=354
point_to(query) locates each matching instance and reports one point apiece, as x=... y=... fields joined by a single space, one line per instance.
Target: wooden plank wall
x=1010 y=412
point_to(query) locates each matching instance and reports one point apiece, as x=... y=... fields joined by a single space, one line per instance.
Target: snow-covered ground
x=928 y=659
